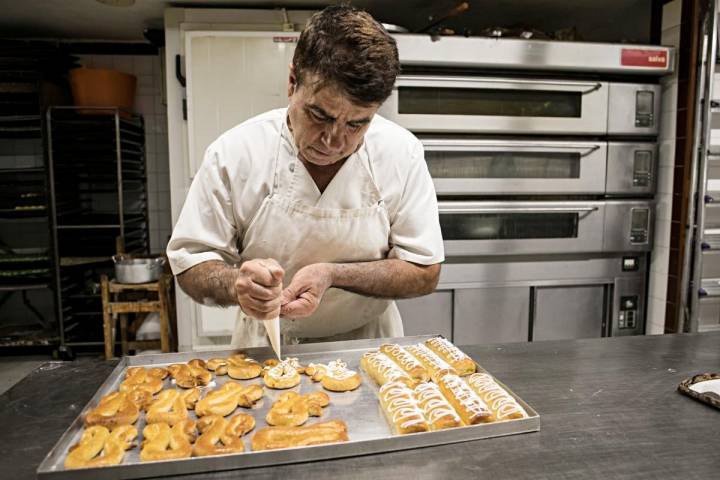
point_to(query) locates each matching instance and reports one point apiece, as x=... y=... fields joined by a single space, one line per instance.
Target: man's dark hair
x=347 y=48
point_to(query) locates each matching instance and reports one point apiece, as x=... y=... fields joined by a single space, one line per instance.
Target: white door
x=231 y=76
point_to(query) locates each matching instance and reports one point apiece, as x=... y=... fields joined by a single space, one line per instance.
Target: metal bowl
x=138 y=269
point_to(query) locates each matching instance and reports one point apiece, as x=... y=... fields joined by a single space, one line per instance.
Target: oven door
x=498 y=105
x=519 y=228
x=494 y=167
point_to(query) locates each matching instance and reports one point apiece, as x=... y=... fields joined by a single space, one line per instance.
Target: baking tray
x=368 y=430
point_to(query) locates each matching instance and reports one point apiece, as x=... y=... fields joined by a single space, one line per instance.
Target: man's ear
x=292 y=81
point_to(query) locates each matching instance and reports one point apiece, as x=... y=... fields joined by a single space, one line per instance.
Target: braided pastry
x=406 y=361
x=383 y=370
x=401 y=409
x=220 y=436
x=242 y=368
x=282 y=376
x=141 y=397
x=272 y=438
x=218 y=365
x=437 y=367
x=452 y=355
x=169 y=408
x=436 y=409
x=189 y=376
x=162 y=442
x=113 y=410
x=464 y=400
x=98 y=447
x=293 y=409
x=224 y=400
x=334 y=376
x=140 y=378
x=501 y=403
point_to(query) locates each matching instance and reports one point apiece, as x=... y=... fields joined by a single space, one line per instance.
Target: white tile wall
x=661 y=253
x=149 y=103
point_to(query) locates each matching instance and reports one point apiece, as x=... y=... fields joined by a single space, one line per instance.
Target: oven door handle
x=450 y=208
x=452 y=81
x=437 y=145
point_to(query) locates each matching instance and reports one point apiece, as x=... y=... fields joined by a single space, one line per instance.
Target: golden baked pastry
x=437 y=367
x=407 y=362
x=282 y=376
x=455 y=357
x=141 y=397
x=335 y=376
x=113 y=410
x=141 y=378
x=242 y=368
x=218 y=365
x=272 y=438
x=383 y=370
x=401 y=409
x=190 y=397
x=224 y=400
x=293 y=409
x=99 y=448
x=464 y=400
x=435 y=407
x=500 y=402
x=162 y=442
x=219 y=436
x=189 y=376
x=169 y=407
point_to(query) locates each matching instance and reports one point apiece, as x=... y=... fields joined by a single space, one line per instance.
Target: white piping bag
x=272 y=327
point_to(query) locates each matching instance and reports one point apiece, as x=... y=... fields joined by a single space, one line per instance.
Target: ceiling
x=616 y=20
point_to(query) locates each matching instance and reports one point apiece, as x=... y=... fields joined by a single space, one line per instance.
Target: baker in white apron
x=336 y=195
x=297 y=234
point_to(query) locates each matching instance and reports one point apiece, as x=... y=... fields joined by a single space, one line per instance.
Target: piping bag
x=272 y=327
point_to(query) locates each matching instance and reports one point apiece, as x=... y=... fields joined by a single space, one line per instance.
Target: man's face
x=326 y=125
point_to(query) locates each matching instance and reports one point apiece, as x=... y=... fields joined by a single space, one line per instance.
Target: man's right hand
x=259 y=288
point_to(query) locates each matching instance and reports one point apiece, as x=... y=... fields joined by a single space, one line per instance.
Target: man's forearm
x=210 y=283
x=391 y=278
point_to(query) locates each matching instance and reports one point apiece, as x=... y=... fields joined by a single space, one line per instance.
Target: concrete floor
x=13 y=369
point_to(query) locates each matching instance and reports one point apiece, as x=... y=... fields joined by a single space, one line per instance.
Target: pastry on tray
x=273 y=438
x=98 y=447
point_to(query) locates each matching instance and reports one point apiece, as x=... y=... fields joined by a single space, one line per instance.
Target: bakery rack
x=98 y=191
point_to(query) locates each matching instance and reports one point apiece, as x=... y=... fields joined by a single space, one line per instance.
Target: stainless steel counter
x=609 y=409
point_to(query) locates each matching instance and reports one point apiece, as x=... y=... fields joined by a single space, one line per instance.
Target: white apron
x=349 y=224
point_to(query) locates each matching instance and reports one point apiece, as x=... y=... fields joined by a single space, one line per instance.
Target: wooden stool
x=121 y=307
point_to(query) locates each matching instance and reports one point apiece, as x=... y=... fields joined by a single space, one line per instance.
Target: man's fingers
x=266 y=272
x=261 y=306
x=276 y=271
x=258 y=292
x=301 y=306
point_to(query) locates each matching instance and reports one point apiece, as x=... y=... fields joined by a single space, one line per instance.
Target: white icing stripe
x=501 y=402
x=429 y=357
x=406 y=361
x=467 y=398
x=448 y=349
x=284 y=369
x=400 y=405
x=385 y=367
x=433 y=404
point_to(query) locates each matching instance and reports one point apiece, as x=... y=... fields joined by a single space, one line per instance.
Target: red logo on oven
x=636 y=57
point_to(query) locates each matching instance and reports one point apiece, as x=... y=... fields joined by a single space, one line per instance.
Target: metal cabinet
x=491 y=315
x=569 y=312
x=428 y=315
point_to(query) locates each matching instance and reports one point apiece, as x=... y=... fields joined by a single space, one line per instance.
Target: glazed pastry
x=435 y=407
x=437 y=367
x=383 y=370
x=220 y=436
x=293 y=361
x=334 y=376
x=240 y=367
x=218 y=366
x=189 y=376
x=282 y=376
x=169 y=407
x=162 y=442
x=401 y=409
x=224 y=400
x=293 y=409
x=140 y=378
x=190 y=397
x=406 y=361
x=452 y=355
x=464 y=400
x=99 y=448
x=141 y=397
x=501 y=403
x=272 y=438
x=113 y=410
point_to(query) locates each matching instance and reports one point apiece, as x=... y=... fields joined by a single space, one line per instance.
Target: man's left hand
x=302 y=297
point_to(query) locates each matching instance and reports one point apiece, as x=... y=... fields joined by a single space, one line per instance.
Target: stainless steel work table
x=609 y=409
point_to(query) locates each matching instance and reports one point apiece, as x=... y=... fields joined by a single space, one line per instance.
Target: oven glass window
x=508 y=226
x=491 y=102
x=503 y=164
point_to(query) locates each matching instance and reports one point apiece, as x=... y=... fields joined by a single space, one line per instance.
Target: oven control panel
x=628 y=314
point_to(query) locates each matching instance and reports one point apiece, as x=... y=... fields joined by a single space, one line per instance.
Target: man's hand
x=302 y=297
x=259 y=288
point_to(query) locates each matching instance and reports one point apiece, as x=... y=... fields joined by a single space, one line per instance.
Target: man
x=321 y=213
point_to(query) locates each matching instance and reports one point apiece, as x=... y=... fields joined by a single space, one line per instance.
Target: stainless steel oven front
x=523 y=105
x=488 y=228
x=470 y=166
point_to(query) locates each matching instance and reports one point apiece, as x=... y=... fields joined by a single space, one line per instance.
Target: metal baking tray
x=368 y=429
